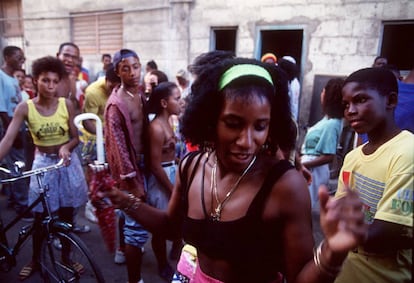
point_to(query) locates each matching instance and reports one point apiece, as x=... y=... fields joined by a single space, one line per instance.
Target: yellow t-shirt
x=48 y=130
x=95 y=99
x=385 y=181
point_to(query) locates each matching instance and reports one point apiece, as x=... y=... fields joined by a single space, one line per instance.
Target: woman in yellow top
x=50 y=121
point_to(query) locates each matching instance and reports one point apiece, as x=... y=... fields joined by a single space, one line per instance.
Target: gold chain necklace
x=127 y=91
x=216 y=213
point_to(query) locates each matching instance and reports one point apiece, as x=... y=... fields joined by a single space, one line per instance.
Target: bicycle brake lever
x=60 y=163
x=18 y=167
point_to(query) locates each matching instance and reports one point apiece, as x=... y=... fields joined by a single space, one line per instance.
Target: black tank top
x=252 y=246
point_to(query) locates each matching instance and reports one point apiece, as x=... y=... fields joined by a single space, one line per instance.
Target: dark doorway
x=283 y=42
x=225 y=39
x=398 y=44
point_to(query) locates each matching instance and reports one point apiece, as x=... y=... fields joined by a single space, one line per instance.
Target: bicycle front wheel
x=65 y=258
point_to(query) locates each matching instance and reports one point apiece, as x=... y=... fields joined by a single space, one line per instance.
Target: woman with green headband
x=246 y=212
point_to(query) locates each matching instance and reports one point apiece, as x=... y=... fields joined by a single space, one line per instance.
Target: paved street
x=112 y=272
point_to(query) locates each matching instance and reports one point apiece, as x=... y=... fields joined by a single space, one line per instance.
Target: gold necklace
x=127 y=91
x=216 y=213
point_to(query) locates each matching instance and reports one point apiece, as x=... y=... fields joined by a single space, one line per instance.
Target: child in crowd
x=164 y=102
x=50 y=121
x=382 y=171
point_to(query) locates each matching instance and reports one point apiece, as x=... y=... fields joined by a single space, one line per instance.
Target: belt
x=168 y=164
x=49 y=155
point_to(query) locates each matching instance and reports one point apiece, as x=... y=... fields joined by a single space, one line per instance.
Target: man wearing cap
x=125 y=123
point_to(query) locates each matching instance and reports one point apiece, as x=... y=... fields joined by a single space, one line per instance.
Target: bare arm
x=337 y=221
x=386 y=237
x=90 y=126
x=157 y=137
x=167 y=223
x=20 y=115
x=320 y=160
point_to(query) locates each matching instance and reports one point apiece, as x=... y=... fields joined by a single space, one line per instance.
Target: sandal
x=27 y=271
x=76 y=266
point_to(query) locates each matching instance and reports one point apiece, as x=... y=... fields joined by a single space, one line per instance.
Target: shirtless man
x=69 y=54
x=125 y=123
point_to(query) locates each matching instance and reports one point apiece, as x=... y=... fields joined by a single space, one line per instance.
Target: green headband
x=238 y=71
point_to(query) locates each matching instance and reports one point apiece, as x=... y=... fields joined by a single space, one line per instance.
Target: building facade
x=326 y=37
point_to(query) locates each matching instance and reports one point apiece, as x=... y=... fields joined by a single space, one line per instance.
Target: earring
x=266 y=145
x=208 y=147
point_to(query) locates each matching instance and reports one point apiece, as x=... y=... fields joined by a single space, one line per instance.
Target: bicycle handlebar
x=26 y=174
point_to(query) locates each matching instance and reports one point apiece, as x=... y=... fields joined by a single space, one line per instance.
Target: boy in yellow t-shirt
x=382 y=170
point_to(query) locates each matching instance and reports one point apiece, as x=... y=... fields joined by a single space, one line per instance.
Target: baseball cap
x=121 y=55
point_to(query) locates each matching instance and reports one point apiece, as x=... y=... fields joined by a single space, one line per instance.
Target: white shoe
x=119 y=257
x=90 y=212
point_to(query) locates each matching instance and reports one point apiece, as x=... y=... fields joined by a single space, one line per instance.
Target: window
x=398 y=43
x=11 y=11
x=98 y=32
x=224 y=39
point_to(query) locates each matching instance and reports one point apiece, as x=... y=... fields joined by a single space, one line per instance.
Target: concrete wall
x=340 y=36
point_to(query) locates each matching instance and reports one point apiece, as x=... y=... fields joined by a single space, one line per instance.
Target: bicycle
x=72 y=263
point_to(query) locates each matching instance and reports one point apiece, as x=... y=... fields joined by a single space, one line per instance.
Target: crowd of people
x=208 y=162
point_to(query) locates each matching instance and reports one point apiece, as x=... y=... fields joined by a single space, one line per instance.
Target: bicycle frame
x=49 y=223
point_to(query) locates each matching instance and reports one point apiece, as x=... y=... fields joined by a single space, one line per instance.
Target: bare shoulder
x=289 y=194
x=21 y=109
x=156 y=126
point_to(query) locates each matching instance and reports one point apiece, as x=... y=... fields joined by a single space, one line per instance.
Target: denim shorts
x=157 y=195
x=134 y=234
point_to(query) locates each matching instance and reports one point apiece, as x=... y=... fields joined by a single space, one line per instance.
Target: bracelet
x=331 y=271
x=132 y=204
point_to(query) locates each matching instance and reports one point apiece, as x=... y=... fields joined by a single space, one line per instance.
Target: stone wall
x=340 y=36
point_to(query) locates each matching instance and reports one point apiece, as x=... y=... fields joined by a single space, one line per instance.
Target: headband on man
x=241 y=70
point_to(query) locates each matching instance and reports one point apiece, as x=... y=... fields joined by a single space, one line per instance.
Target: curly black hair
x=199 y=122
x=48 y=64
x=332 y=104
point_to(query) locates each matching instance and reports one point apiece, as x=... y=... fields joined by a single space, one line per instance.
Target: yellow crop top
x=49 y=130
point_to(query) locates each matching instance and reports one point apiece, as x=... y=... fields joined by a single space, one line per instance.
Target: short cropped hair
x=106 y=55
x=48 y=64
x=380 y=79
x=161 y=76
x=152 y=65
x=200 y=119
x=111 y=76
x=10 y=50
x=68 y=44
